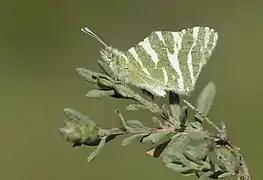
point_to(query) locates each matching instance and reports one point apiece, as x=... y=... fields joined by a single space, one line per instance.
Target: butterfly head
x=109 y=55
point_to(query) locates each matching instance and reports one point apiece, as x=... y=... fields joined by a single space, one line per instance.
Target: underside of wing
x=171 y=61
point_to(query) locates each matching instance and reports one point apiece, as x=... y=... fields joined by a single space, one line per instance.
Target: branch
x=182 y=142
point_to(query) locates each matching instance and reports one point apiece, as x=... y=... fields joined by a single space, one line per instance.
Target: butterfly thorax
x=117 y=62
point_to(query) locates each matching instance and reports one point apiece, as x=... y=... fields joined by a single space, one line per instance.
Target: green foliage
x=180 y=141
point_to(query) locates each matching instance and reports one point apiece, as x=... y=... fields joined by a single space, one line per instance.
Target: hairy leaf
x=205 y=99
x=136 y=107
x=88 y=75
x=97 y=150
x=155 y=137
x=129 y=139
x=96 y=93
x=76 y=116
x=134 y=124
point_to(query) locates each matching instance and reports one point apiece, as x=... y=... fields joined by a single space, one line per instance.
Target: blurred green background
x=41 y=45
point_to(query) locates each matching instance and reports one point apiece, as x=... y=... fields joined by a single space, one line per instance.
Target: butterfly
x=163 y=61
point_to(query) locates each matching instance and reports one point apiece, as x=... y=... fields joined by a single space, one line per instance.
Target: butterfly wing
x=170 y=61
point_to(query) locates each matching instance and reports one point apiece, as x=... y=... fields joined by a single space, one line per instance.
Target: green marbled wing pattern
x=170 y=61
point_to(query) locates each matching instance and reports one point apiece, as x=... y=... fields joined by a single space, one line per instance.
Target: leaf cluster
x=180 y=141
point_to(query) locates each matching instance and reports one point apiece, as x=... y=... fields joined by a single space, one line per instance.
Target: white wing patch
x=207 y=35
x=165 y=76
x=137 y=58
x=160 y=36
x=159 y=91
x=173 y=58
x=189 y=59
x=147 y=46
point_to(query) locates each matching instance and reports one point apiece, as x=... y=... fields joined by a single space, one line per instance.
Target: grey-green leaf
x=122 y=120
x=148 y=94
x=106 y=68
x=129 y=139
x=95 y=93
x=105 y=84
x=136 y=107
x=155 y=137
x=175 y=111
x=165 y=112
x=157 y=121
x=76 y=116
x=205 y=99
x=134 y=124
x=87 y=75
x=97 y=150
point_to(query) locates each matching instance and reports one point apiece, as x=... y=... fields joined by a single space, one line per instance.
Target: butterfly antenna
x=86 y=30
